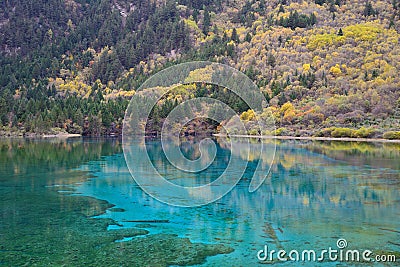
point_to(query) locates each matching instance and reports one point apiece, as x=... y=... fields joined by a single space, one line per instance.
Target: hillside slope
x=73 y=65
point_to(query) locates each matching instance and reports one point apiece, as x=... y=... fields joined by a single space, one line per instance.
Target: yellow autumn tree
x=335 y=70
x=248 y=115
x=306 y=67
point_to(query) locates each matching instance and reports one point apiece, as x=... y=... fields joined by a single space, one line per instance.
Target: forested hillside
x=327 y=67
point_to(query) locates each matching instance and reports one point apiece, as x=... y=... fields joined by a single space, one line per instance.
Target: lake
x=74 y=202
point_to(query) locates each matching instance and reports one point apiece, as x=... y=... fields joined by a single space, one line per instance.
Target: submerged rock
x=165 y=250
x=128 y=232
x=117 y=209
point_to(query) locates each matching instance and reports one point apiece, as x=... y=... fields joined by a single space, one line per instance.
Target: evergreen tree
x=206 y=22
x=369 y=10
x=234 y=36
x=196 y=15
x=248 y=37
x=281 y=9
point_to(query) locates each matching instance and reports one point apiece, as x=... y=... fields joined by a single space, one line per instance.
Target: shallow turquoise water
x=316 y=193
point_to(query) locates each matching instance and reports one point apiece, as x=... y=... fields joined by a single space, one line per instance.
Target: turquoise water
x=51 y=213
x=316 y=193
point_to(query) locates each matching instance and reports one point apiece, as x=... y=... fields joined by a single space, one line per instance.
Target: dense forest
x=326 y=67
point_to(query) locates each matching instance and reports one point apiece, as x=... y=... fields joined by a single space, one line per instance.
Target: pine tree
x=281 y=9
x=369 y=10
x=391 y=24
x=196 y=15
x=234 y=36
x=271 y=60
x=313 y=19
x=248 y=37
x=206 y=22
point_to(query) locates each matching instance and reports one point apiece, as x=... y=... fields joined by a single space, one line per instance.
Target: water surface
x=316 y=193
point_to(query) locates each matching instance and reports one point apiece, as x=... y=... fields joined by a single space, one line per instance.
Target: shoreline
x=286 y=137
x=60 y=135
x=19 y=134
x=312 y=138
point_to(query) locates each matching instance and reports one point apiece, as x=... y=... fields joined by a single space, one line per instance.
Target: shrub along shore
x=314 y=138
